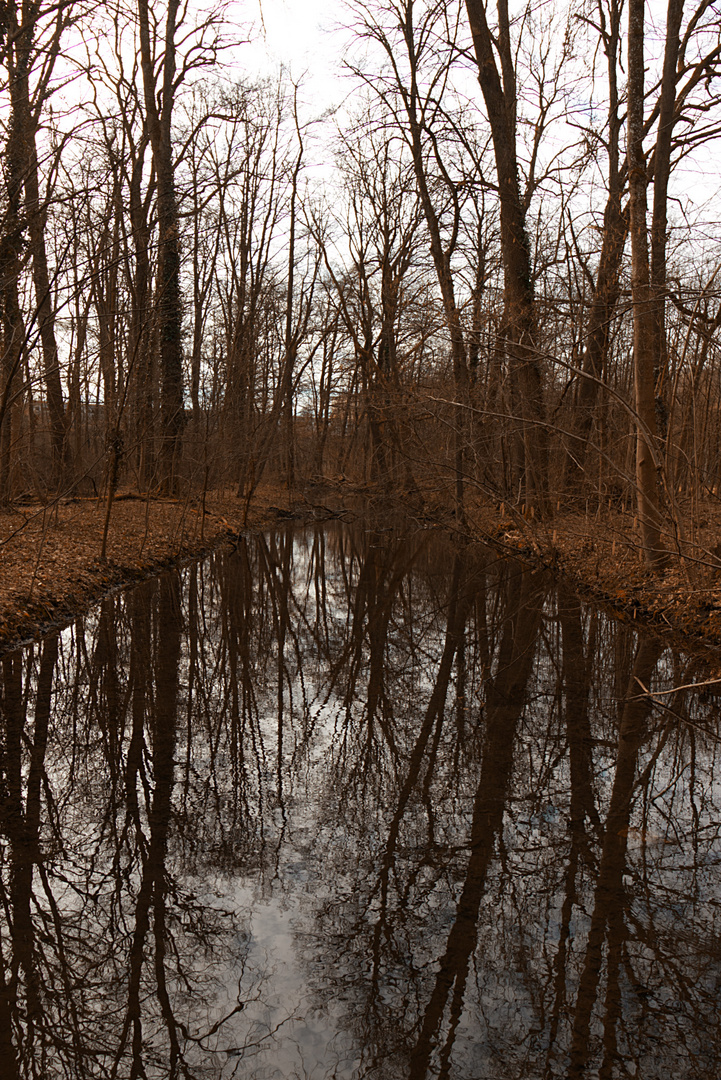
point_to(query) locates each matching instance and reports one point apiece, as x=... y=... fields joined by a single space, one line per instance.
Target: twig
x=665 y=693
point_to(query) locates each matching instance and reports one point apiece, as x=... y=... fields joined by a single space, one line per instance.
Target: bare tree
x=412 y=95
x=31 y=35
x=380 y=227
x=649 y=510
x=500 y=96
x=163 y=71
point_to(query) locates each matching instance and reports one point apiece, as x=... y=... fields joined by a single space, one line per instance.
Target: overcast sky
x=304 y=36
x=299 y=34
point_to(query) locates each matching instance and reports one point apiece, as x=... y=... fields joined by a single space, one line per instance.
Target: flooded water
x=341 y=804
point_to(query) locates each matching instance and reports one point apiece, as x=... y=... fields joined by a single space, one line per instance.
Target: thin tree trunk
x=11 y=246
x=140 y=344
x=25 y=169
x=442 y=264
x=603 y=305
x=661 y=173
x=45 y=315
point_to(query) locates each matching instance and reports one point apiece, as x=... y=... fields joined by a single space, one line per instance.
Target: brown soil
x=603 y=559
x=50 y=567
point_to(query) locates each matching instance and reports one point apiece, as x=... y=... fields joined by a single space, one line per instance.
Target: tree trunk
x=140 y=360
x=615 y=230
x=661 y=173
x=519 y=329
x=649 y=512
x=26 y=115
x=442 y=264
x=603 y=305
x=169 y=305
x=21 y=178
x=13 y=328
x=45 y=316
x=291 y=346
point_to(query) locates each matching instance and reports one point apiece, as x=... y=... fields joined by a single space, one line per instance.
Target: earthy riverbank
x=602 y=558
x=50 y=566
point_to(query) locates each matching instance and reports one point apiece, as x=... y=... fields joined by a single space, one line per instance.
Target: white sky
x=302 y=35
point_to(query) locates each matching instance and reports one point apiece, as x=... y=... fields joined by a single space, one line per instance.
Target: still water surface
x=344 y=804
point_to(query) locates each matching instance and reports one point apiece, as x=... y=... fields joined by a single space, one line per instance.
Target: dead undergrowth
x=603 y=559
x=50 y=566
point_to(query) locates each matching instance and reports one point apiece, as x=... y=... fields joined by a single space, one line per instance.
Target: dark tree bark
x=25 y=220
x=644 y=323
x=29 y=113
x=140 y=361
x=615 y=231
x=659 y=219
x=519 y=331
x=441 y=255
x=45 y=315
x=13 y=327
x=169 y=302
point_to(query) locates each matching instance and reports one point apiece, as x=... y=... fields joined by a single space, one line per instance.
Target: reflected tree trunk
x=459 y=603
x=505 y=701
x=153 y=885
x=607 y=920
x=577 y=676
x=21 y=824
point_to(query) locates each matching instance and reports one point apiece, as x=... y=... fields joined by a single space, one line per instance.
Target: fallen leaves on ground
x=50 y=565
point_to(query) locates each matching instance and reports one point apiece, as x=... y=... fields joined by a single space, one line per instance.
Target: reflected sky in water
x=344 y=804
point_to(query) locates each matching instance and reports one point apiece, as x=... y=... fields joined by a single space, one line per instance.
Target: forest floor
x=51 y=570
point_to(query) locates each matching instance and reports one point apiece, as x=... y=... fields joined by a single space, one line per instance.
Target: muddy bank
x=50 y=565
x=603 y=561
x=50 y=569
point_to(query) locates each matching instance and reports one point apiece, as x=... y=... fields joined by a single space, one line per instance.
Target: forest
x=360 y=537
x=487 y=276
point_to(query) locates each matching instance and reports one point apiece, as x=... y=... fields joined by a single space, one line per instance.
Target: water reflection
x=343 y=804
